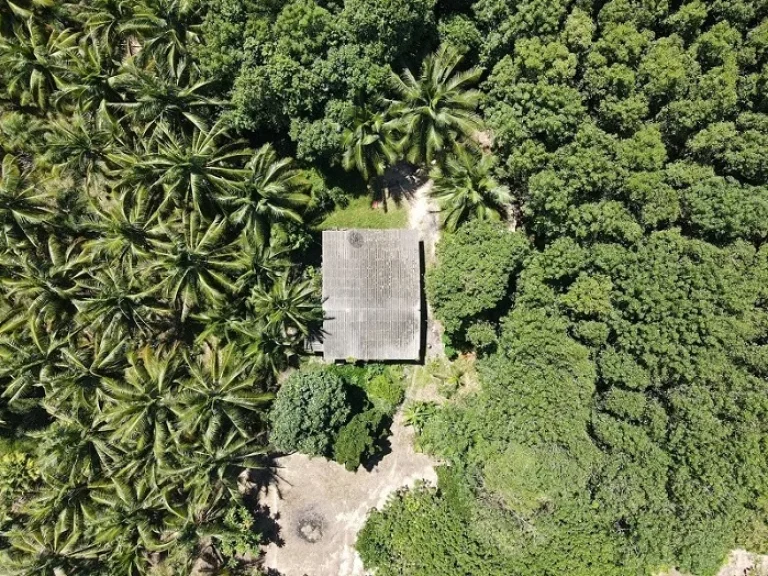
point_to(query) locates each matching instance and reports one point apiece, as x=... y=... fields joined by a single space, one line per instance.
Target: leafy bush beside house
x=309 y=410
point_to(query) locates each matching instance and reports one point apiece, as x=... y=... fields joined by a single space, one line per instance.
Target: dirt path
x=321 y=507
x=424 y=216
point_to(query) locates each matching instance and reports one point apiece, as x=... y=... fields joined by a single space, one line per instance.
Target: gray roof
x=371 y=295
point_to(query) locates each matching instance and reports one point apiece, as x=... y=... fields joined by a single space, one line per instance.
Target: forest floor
x=320 y=506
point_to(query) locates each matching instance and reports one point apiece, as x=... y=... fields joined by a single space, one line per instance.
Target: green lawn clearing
x=360 y=214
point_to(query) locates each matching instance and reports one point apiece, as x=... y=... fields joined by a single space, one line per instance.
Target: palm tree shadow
x=265 y=522
x=400 y=182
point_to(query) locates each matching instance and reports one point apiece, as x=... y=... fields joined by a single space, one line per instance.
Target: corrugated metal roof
x=371 y=295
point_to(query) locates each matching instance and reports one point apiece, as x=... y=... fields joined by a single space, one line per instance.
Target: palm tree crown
x=465 y=188
x=431 y=111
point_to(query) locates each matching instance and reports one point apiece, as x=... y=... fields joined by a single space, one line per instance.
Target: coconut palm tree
x=124 y=228
x=138 y=408
x=117 y=299
x=45 y=286
x=74 y=384
x=26 y=360
x=15 y=12
x=25 y=204
x=222 y=393
x=192 y=170
x=77 y=146
x=103 y=21
x=193 y=265
x=49 y=550
x=289 y=307
x=273 y=191
x=436 y=108
x=132 y=524
x=85 y=87
x=35 y=60
x=162 y=92
x=368 y=142
x=75 y=450
x=164 y=27
x=465 y=188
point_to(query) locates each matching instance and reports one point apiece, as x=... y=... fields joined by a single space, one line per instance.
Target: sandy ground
x=740 y=563
x=424 y=216
x=320 y=506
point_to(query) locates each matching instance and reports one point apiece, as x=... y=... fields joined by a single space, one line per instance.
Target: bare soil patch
x=320 y=507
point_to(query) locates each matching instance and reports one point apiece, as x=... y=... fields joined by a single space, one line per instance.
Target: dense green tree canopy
x=620 y=426
x=162 y=163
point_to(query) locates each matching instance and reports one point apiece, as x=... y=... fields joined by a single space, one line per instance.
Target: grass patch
x=360 y=214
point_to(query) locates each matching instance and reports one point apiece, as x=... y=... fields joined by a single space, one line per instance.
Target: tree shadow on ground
x=399 y=183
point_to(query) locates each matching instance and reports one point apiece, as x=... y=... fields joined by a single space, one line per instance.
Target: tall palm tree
x=26 y=360
x=273 y=191
x=164 y=27
x=14 y=12
x=75 y=384
x=436 y=108
x=289 y=307
x=75 y=450
x=138 y=410
x=368 y=142
x=193 y=265
x=221 y=393
x=116 y=299
x=24 y=202
x=35 y=61
x=132 y=524
x=103 y=21
x=85 y=86
x=192 y=170
x=77 y=146
x=45 y=287
x=125 y=227
x=49 y=550
x=162 y=92
x=464 y=187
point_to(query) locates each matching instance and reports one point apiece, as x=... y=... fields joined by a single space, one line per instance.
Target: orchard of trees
x=163 y=164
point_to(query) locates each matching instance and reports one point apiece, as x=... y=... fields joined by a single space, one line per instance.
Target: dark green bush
x=358 y=439
x=309 y=410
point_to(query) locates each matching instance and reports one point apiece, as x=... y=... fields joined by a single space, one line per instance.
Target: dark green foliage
x=357 y=440
x=616 y=429
x=310 y=408
x=475 y=267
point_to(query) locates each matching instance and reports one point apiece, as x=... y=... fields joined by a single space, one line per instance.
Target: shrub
x=309 y=410
x=357 y=440
x=385 y=393
x=18 y=476
x=482 y=335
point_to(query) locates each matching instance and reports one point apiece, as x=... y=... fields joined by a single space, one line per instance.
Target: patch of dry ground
x=739 y=563
x=320 y=506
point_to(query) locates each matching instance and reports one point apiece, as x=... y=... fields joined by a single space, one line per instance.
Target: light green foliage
x=385 y=392
x=482 y=335
x=360 y=214
x=19 y=476
x=357 y=440
x=310 y=409
x=423 y=533
x=474 y=270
